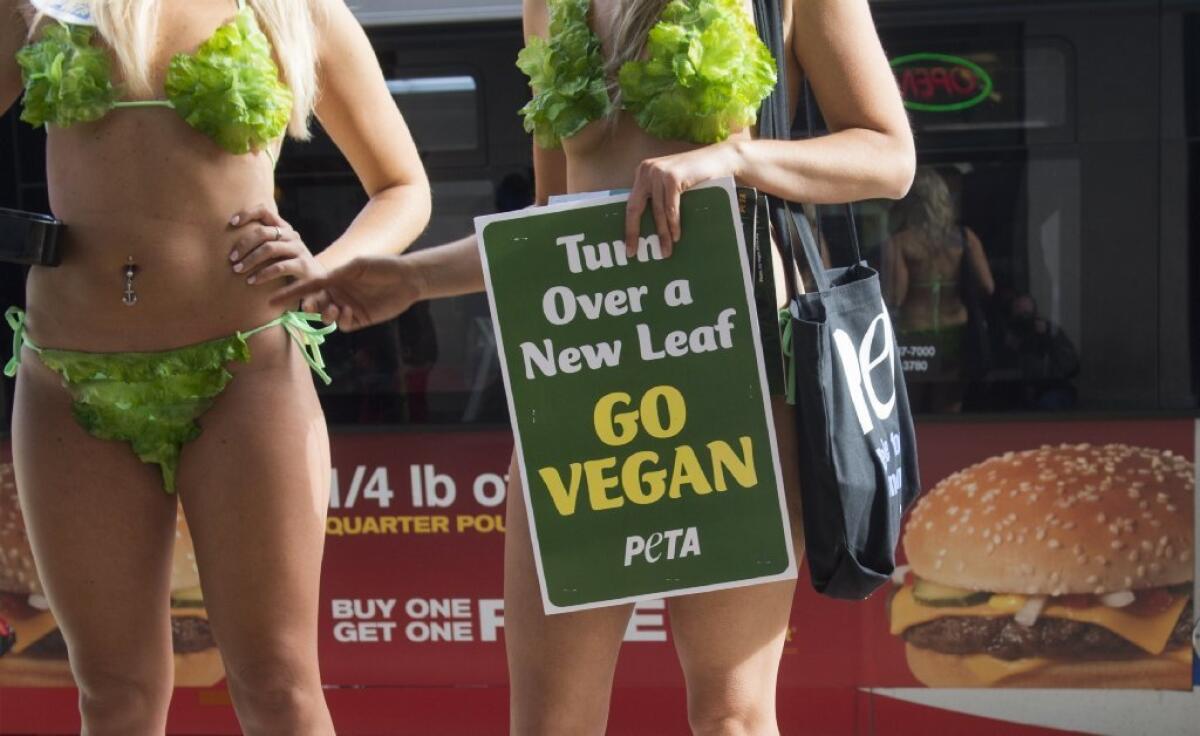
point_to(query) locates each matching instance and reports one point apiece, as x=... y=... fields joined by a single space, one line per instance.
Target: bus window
x=435 y=364
x=987 y=87
x=1191 y=69
x=441 y=111
x=1189 y=199
x=980 y=269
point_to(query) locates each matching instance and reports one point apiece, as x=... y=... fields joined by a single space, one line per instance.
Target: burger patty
x=188 y=634
x=1004 y=638
x=191 y=634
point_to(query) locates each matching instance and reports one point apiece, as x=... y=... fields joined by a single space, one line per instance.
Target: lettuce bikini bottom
x=152 y=400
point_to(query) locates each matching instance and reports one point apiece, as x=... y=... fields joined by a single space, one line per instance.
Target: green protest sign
x=638 y=399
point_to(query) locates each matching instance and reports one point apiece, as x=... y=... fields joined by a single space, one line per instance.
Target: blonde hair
x=632 y=21
x=928 y=206
x=130 y=27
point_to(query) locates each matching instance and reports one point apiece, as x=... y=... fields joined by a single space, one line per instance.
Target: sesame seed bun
x=19 y=581
x=192 y=669
x=32 y=672
x=184 y=573
x=18 y=573
x=1089 y=519
x=1169 y=671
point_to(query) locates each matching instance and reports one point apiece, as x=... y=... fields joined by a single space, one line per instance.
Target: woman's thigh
x=784 y=416
x=730 y=642
x=102 y=532
x=560 y=666
x=254 y=487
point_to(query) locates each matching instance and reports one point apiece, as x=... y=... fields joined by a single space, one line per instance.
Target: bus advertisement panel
x=412 y=619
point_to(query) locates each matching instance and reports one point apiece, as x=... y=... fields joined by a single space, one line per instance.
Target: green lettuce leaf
x=566 y=74
x=150 y=400
x=230 y=88
x=704 y=76
x=67 y=80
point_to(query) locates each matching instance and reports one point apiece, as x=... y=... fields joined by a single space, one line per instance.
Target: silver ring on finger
x=278 y=233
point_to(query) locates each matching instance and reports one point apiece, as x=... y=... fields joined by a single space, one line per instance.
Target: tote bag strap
x=775 y=122
x=810 y=115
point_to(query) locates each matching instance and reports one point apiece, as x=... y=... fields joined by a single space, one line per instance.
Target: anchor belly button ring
x=130 y=297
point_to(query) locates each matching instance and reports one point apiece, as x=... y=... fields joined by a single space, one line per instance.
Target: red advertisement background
x=400 y=687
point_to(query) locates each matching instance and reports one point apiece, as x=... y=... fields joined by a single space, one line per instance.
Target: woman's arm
x=370 y=290
x=12 y=36
x=454 y=269
x=979 y=263
x=549 y=164
x=361 y=117
x=869 y=152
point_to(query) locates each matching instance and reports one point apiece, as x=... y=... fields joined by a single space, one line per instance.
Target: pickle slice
x=933 y=594
x=188 y=598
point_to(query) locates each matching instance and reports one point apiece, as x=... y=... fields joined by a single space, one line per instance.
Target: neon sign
x=932 y=82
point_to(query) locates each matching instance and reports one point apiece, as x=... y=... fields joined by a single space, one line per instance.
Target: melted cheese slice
x=991 y=670
x=1150 y=632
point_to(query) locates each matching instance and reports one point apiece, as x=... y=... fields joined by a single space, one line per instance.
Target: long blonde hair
x=130 y=27
x=928 y=208
x=632 y=21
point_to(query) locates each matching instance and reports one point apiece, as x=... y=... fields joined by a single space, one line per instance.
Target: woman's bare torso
x=934 y=296
x=142 y=184
x=606 y=154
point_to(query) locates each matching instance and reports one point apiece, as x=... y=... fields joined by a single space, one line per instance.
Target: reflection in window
x=1027 y=92
x=442 y=112
x=1015 y=89
x=980 y=267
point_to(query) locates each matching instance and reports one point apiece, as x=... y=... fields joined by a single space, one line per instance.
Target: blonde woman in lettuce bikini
x=625 y=123
x=153 y=370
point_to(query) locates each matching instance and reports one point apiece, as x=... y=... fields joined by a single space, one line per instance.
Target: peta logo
x=859 y=363
x=650 y=548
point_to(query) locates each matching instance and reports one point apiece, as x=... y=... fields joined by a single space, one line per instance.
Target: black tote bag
x=856 y=445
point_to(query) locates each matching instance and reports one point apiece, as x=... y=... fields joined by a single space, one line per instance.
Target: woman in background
x=934 y=273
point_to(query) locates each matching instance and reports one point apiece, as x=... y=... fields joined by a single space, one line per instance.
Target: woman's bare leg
x=102 y=532
x=560 y=667
x=730 y=642
x=255 y=487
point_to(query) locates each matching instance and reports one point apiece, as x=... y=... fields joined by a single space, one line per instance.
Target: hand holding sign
x=663 y=180
x=637 y=391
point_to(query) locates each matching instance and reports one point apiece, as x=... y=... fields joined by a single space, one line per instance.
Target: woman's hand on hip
x=267 y=249
x=366 y=291
x=663 y=180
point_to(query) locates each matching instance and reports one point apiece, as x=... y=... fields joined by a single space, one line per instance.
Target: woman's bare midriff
x=142 y=184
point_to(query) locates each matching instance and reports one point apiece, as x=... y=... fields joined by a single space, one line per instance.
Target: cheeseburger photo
x=1061 y=567
x=32 y=650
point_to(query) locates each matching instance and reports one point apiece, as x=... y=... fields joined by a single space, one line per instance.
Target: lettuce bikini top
x=703 y=76
x=229 y=89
